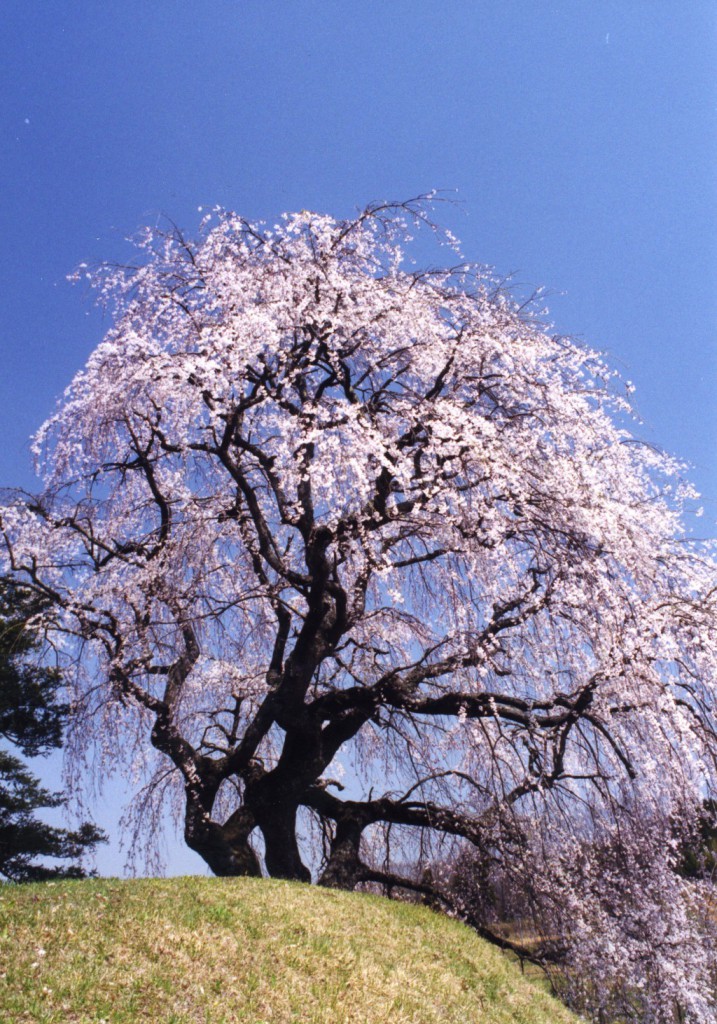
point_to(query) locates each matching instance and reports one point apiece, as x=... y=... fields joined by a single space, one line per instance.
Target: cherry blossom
x=361 y=561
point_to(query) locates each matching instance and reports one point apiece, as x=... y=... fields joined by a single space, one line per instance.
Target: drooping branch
x=309 y=509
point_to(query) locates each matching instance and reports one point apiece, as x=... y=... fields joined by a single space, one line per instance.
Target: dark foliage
x=23 y=837
x=32 y=717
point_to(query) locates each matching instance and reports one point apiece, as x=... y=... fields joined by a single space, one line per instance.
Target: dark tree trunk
x=225 y=857
x=275 y=809
x=277 y=822
x=225 y=848
x=344 y=868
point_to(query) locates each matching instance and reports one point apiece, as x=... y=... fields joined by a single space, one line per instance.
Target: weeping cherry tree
x=368 y=566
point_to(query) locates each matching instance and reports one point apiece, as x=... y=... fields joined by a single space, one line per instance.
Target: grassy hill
x=247 y=951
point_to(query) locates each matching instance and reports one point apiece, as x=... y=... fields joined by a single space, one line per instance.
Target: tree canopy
x=375 y=562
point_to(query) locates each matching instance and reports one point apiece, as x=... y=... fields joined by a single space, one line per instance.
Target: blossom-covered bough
x=311 y=515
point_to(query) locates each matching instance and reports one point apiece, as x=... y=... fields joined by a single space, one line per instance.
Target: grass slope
x=247 y=951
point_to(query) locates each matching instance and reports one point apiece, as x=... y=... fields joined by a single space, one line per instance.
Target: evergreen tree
x=32 y=717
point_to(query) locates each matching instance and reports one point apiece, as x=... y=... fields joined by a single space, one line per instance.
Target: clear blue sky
x=581 y=136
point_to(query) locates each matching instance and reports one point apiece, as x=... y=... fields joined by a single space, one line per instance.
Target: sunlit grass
x=246 y=951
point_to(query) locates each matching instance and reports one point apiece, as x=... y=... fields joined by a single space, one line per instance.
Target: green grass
x=247 y=951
